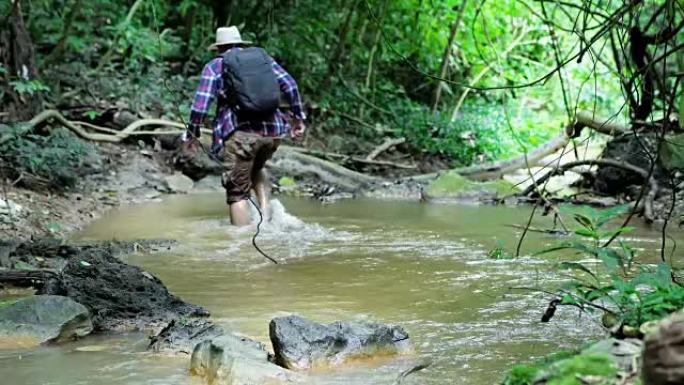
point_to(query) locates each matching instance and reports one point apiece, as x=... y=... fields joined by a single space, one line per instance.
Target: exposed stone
x=45 y=318
x=119 y=296
x=624 y=353
x=182 y=335
x=235 y=360
x=178 y=183
x=196 y=165
x=663 y=357
x=8 y=207
x=302 y=344
x=630 y=149
x=451 y=186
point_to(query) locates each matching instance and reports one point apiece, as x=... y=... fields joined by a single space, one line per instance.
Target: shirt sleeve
x=204 y=96
x=288 y=86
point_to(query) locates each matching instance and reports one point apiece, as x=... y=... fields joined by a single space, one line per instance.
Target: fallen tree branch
x=26 y=278
x=497 y=169
x=586 y=119
x=384 y=146
x=291 y=161
x=354 y=159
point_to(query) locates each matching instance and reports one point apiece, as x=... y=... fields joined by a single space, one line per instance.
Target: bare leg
x=263 y=192
x=239 y=213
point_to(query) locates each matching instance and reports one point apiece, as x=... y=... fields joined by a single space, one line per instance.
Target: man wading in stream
x=248 y=126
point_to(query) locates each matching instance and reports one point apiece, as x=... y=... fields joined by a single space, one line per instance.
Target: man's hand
x=298 y=128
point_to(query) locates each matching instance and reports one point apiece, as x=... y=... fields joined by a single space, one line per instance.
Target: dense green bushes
x=348 y=56
x=56 y=160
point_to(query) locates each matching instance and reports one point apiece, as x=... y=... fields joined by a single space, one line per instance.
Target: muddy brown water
x=422 y=266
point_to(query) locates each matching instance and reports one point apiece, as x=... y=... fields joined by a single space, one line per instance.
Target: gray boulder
x=624 y=353
x=235 y=360
x=45 y=318
x=183 y=334
x=178 y=183
x=302 y=344
x=663 y=357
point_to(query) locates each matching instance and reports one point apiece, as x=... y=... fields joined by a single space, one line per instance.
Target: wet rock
x=663 y=357
x=630 y=149
x=624 y=353
x=182 y=335
x=209 y=183
x=9 y=208
x=235 y=360
x=45 y=318
x=119 y=296
x=451 y=186
x=196 y=165
x=178 y=183
x=302 y=344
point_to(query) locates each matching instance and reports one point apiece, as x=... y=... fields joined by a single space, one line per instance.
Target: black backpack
x=250 y=85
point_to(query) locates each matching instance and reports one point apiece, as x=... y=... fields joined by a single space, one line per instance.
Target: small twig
x=409 y=371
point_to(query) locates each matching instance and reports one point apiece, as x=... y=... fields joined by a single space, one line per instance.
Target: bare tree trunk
x=59 y=49
x=18 y=57
x=334 y=62
x=221 y=9
x=447 y=54
x=374 y=50
x=187 y=30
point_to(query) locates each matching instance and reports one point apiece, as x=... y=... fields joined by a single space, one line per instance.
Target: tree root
x=26 y=278
x=111 y=136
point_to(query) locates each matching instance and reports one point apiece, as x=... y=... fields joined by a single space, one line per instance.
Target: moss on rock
x=452 y=185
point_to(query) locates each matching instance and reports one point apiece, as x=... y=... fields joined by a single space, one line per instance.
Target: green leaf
x=611 y=259
x=576 y=266
x=585 y=232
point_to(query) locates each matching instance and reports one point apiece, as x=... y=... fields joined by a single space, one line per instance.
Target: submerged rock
x=45 y=318
x=302 y=344
x=119 y=296
x=663 y=357
x=235 y=360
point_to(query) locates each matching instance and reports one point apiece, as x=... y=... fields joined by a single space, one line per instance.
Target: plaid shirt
x=225 y=122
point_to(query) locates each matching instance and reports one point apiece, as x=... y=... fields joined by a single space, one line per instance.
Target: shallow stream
x=422 y=266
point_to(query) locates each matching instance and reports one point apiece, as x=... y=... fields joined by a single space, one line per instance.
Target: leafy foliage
x=58 y=158
x=628 y=292
x=526 y=374
x=364 y=58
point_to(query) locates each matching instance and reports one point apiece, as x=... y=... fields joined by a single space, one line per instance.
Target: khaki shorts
x=244 y=155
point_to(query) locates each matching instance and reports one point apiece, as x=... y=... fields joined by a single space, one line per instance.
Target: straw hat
x=228 y=35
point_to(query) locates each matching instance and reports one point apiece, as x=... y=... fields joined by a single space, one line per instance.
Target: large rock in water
x=451 y=186
x=45 y=318
x=663 y=357
x=235 y=360
x=119 y=296
x=302 y=344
